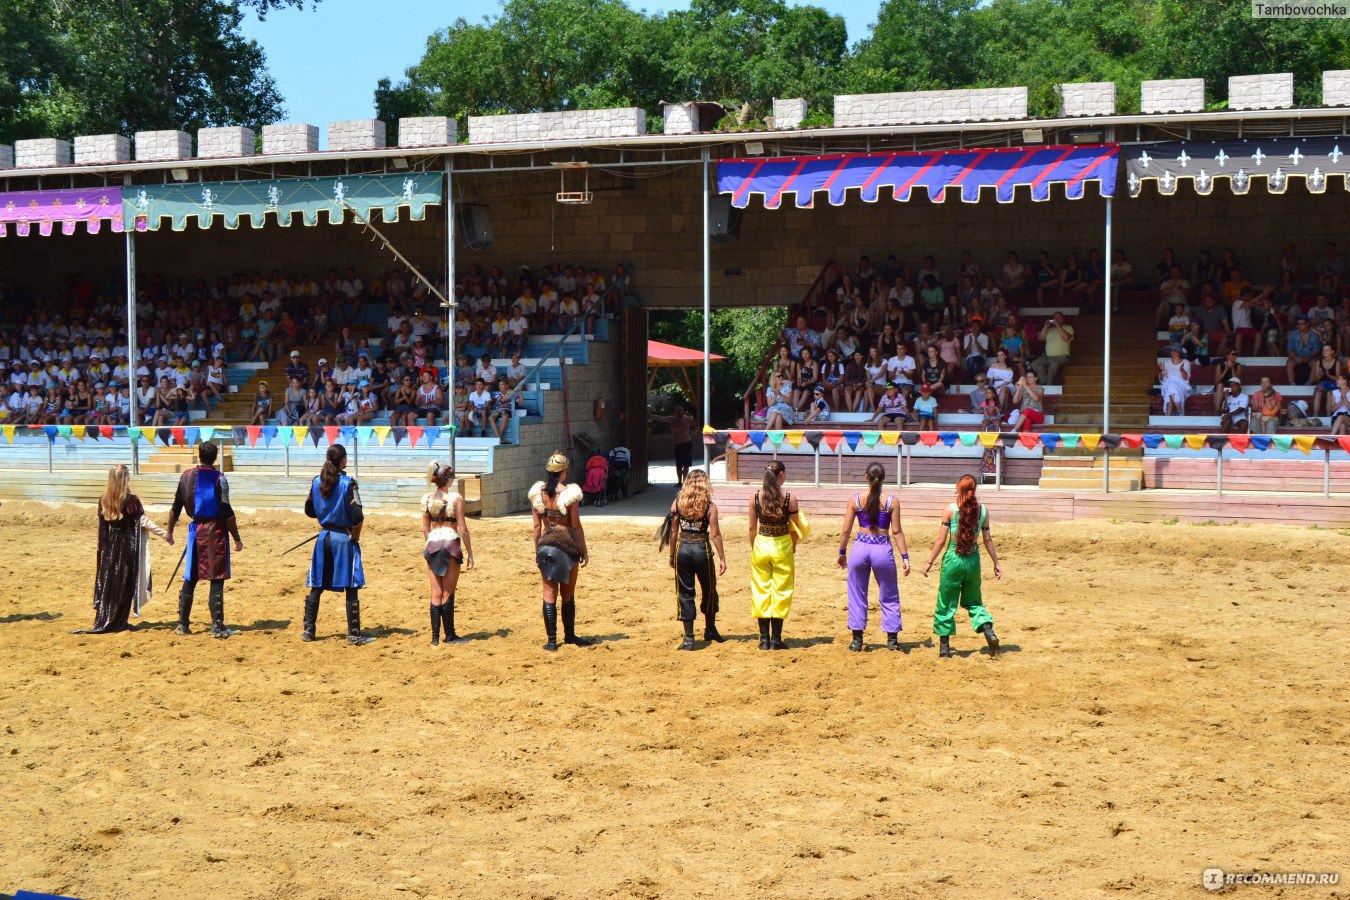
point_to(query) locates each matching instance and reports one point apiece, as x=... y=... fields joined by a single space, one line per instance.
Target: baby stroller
x=620 y=465
x=597 y=480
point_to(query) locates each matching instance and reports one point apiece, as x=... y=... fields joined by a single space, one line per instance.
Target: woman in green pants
x=962 y=524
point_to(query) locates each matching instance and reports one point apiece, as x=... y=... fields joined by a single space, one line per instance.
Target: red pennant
x=1029 y=439
x=179 y=436
x=1344 y=441
x=832 y=439
x=106 y=431
x=1240 y=442
x=928 y=438
x=414 y=434
x=1132 y=441
x=254 y=431
x=739 y=438
x=331 y=432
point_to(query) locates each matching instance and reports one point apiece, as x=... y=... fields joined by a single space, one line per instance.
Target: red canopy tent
x=669 y=356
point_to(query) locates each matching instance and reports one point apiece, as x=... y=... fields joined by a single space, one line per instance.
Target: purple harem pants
x=873 y=554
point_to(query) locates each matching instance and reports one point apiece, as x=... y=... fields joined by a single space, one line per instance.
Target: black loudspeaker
x=475 y=228
x=724 y=220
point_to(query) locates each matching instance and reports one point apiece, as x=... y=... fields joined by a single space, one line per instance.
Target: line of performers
x=690 y=534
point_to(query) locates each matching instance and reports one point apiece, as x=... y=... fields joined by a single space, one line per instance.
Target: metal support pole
x=839 y=459
x=707 y=314
x=1106 y=470
x=1219 y=473
x=899 y=466
x=356 y=458
x=286 y=445
x=1107 y=302
x=1326 y=472
x=49 y=455
x=450 y=310
x=816 y=475
x=133 y=356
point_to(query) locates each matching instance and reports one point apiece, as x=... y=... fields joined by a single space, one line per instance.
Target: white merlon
x=93 y=149
x=153 y=145
x=290 y=138
x=1179 y=95
x=788 y=113
x=922 y=107
x=1274 y=91
x=357 y=134
x=1336 y=87
x=679 y=118
x=558 y=126
x=1089 y=98
x=6 y=156
x=215 y=143
x=427 y=131
x=41 y=152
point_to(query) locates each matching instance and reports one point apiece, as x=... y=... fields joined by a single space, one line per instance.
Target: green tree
x=743 y=336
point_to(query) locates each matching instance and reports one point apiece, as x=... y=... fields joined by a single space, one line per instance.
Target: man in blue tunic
x=204 y=494
x=336 y=564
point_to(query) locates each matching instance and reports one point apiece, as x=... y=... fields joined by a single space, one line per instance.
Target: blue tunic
x=336 y=563
x=210 y=560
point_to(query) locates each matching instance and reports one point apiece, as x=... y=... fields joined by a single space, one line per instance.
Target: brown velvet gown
x=117 y=578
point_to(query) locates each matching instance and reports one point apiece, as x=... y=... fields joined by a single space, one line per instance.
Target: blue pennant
x=1261 y=441
x=1051 y=441
x=949 y=438
x=853 y=438
x=1152 y=441
x=268 y=432
x=431 y=435
x=756 y=437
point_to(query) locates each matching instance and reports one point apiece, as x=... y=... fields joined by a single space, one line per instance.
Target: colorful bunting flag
x=1132 y=441
x=1173 y=441
x=399 y=432
x=948 y=438
x=107 y=431
x=78 y=431
x=928 y=438
x=1070 y=440
x=1305 y=442
x=1260 y=441
x=738 y=437
x=1029 y=439
x=1344 y=441
x=64 y=431
x=870 y=438
x=969 y=438
x=381 y=432
x=988 y=438
x=832 y=439
x=1050 y=441
x=1090 y=441
x=890 y=438
x=1194 y=441
x=852 y=438
x=795 y=437
x=285 y=432
x=268 y=433
x=1282 y=442
x=9 y=432
x=207 y=432
x=775 y=438
x=364 y=433
x=192 y=434
x=414 y=433
x=254 y=432
x=330 y=433
x=301 y=431
x=1240 y=442
x=50 y=431
x=179 y=435
x=433 y=434
x=814 y=438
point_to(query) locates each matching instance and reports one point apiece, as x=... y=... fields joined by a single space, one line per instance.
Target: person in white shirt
x=515 y=372
x=1236 y=406
x=900 y=369
x=475 y=410
x=351 y=292
x=976 y=347
x=362 y=372
x=1240 y=314
x=486 y=372
x=343 y=373
x=517 y=328
x=526 y=302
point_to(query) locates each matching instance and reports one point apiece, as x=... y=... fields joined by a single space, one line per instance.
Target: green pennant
x=776 y=437
x=969 y=438
x=1282 y=442
x=870 y=438
x=1071 y=440
x=1174 y=441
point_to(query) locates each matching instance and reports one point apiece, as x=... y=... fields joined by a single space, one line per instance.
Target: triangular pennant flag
x=890 y=438
x=330 y=433
x=92 y=431
x=1260 y=442
x=832 y=439
x=414 y=434
x=268 y=433
x=64 y=431
x=239 y=433
x=1240 y=442
x=1029 y=439
x=9 y=432
x=852 y=438
x=1153 y=441
x=433 y=434
x=813 y=438
x=1305 y=442
x=909 y=438
x=928 y=438
x=78 y=431
x=179 y=436
x=285 y=432
x=381 y=433
x=1173 y=441
x=988 y=438
x=254 y=432
x=315 y=432
x=757 y=438
x=1090 y=441
x=1216 y=441
x=1070 y=440
x=1195 y=441
x=1130 y=441
x=870 y=438
x=1050 y=440
x=300 y=432
x=192 y=434
x=1283 y=442
x=776 y=437
x=207 y=432
x=50 y=431
x=1344 y=441
x=107 y=431
x=969 y=438
x=364 y=433
x=164 y=436
x=948 y=437
x=738 y=437
x=795 y=437
x=348 y=433
x=400 y=432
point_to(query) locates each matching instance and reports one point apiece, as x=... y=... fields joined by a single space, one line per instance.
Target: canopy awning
x=228 y=201
x=63 y=209
x=660 y=354
x=1240 y=162
x=1001 y=169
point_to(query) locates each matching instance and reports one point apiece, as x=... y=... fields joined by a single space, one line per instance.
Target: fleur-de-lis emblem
x=274 y=196
x=1277 y=180
x=1183 y=158
x=79 y=203
x=1296 y=156
x=104 y=201
x=32 y=204
x=1335 y=154
x=1316 y=179
x=1134 y=183
x=339 y=192
x=56 y=202
x=1145 y=159
x=1202 y=181
x=1168 y=181
x=1258 y=156
x=1222 y=158
x=1240 y=180
x=9 y=205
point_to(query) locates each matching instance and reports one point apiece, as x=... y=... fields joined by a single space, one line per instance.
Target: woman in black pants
x=694 y=534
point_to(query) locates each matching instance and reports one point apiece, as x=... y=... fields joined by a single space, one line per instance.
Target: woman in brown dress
x=122 y=579
x=559 y=549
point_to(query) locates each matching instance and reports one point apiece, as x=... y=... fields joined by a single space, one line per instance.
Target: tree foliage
x=120 y=66
x=743 y=336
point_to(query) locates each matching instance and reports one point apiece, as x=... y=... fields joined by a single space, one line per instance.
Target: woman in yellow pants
x=772 y=556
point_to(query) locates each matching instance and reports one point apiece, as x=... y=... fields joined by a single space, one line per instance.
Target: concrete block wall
x=1172 y=96
x=1261 y=91
x=1336 y=87
x=918 y=107
x=679 y=118
x=788 y=113
x=6 y=156
x=572 y=125
x=93 y=149
x=158 y=145
x=215 y=143
x=290 y=138
x=357 y=134
x=427 y=131
x=41 y=152
x=1090 y=98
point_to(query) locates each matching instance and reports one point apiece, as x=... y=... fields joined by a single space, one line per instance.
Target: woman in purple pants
x=873 y=554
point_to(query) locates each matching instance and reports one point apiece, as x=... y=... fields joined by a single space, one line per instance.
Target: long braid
x=968 y=510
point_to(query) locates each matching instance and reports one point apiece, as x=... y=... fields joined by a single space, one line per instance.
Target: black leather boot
x=856 y=644
x=992 y=639
x=354 y=635
x=945 y=647
x=311 y=614
x=776 y=634
x=448 y=618
x=688 y=642
x=185 y=608
x=569 y=620
x=892 y=640
x=216 y=602
x=710 y=632
x=764 y=634
x=551 y=626
x=435 y=625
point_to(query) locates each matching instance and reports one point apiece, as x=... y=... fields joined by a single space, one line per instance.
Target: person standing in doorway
x=681 y=434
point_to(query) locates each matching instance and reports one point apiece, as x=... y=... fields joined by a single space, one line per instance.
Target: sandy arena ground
x=1171 y=698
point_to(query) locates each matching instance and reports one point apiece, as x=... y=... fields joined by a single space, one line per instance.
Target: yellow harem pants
x=772 y=566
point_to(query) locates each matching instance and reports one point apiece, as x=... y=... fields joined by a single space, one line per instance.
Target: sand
x=1171 y=698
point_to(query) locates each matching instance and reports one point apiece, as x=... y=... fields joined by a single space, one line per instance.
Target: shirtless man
x=681 y=426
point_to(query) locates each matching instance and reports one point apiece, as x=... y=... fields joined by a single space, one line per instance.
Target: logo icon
x=1212 y=879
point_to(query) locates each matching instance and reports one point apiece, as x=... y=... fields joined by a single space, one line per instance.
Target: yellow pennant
x=381 y=432
x=988 y=438
x=890 y=438
x=9 y=432
x=1195 y=441
x=1304 y=442
x=78 y=431
x=1090 y=441
x=794 y=437
x=300 y=432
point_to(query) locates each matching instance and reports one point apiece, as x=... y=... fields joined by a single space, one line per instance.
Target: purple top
x=883 y=515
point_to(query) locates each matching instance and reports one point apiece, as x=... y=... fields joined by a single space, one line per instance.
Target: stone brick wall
x=1093 y=98
x=426 y=131
x=214 y=143
x=159 y=145
x=558 y=126
x=41 y=152
x=917 y=107
x=93 y=149
x=1174 y=96
x=678 y=118
x=788 y=113
x=1336 y=87
x=290 y=138
x=1261 y=91
x=357 y=134
x=6 y=156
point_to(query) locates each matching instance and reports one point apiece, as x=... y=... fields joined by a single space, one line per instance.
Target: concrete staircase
x=1078 y=470
x=176 y=460
x=1133 y=371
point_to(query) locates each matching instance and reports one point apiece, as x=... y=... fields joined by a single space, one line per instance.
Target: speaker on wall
x=724 y=220
x=475 y=227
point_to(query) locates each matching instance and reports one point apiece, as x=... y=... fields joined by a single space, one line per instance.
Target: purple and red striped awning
x=971 y=171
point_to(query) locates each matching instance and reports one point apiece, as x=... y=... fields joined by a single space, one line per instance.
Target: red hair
x=968 y=512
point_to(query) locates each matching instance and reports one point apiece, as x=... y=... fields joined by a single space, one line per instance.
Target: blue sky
x=326 y=61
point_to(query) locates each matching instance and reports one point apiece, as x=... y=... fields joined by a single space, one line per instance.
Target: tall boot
x=448 y=617
x=551 y=626
x=311 y=614
x=569 y=620
x=987 y=629
x=764 y=634
x=776 y=634
x=892 y=640
x=354 y=635
x=688 y=642
x=216 y=602
x=435 y=625
x=857 y=642
x=185 y=608
x=944 y=647
x=710 y=632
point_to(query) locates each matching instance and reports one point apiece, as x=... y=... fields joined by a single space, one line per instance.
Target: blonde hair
x=438 y=474
x=695 y=496
x=115 y=494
